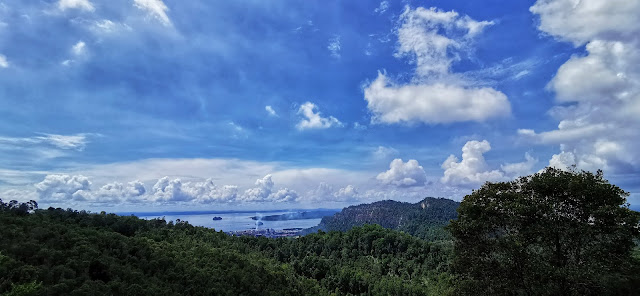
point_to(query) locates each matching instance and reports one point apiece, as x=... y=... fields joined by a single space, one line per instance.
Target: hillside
x=423 y=219
x=66 y=252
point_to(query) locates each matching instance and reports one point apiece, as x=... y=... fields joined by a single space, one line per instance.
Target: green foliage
x=66 y=252
x=424 y=219
x=26 y=289
x=552 y=233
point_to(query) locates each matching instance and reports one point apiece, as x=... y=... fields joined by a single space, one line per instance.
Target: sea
x=234 y=220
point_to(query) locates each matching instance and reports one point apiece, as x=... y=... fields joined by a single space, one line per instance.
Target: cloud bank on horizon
x=132 y=104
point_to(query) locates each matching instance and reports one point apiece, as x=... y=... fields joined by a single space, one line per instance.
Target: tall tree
x=552 y=233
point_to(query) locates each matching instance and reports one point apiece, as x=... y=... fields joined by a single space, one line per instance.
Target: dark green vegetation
x=553 y=233
x=66 y=252
x=424 y=219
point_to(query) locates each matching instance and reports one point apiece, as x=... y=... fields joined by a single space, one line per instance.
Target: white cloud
x=349 y=193
x=384 y=5
x=21 y=195
x=325 y=193
x=208 y=192
x=66 y=142
x=263 y=191
x=62 y=188
x=383 y=153
x=586 y=20
x=284 y=195
x=271 y=111
x=67 y=188
x=76 y=142
x=314 y=120
x=513 y=170
x=473 y=170
x=79 y=48
x=403 y=174
x=195 y=182
x=3 y=61
x=334 y=46
x=77 y=4
x=429 y=36
x=79 y=52
x=106 y=26
x=167 y=190
x=562 y=161
x=433 y=103
x=598 y=129
x=433 y=40
x=155 y=8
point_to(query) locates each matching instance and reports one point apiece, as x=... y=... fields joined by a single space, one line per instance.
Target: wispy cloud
x=271 y=111
x=76 y=4
x=73 y=142
x=384 y=5
x=3 y=61
x=156 y=9
x=334 y=46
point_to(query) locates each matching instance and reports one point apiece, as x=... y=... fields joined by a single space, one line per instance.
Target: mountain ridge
x=424 y=219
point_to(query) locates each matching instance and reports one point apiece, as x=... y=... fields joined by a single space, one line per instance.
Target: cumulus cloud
x=334 y=46
x=597 y=129
x=403 y=174
x=208 y=192
x=63 y=188
x=583 y=21
x=67 y=188
x=433 y=40
x=3 y=61
x=473 y=169
x=167 y=190
x=75 y=4
x=314 y=120
x=271 y=111
x=264 y=191
x=115 y=192
x=154 y=8
x=326 y=193
x=433 y=103
x=348 y=193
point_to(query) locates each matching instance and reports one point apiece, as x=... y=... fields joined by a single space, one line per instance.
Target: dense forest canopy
x=553 y=233
x=67 y=252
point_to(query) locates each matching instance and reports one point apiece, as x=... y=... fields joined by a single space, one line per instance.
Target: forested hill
x=423 y=219
x=67 y=252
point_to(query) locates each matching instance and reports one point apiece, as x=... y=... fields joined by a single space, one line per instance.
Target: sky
x=148 y=105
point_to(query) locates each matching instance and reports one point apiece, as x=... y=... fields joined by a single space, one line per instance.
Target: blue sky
x=148 y=105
